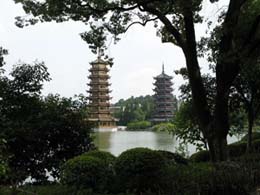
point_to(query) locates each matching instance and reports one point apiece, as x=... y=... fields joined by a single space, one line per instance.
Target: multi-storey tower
x=99 y=106
x=163 y=98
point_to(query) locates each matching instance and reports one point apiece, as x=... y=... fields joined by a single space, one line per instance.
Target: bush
x=255 y=136
x=140 y=169
x=140 y=125
x=237 y=149
x=104 y=156
x=207 y=178
x=201 y=156
x=168 y=127
x=86 y=171
x=55 y=189
x=173 y=158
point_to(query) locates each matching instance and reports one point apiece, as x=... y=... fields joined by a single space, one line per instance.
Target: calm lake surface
x=119 y=141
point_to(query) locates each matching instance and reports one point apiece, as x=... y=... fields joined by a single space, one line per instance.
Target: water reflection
x=117 y=142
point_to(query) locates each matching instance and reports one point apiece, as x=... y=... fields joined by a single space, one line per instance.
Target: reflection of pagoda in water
x=99 y=106
x=163 y=98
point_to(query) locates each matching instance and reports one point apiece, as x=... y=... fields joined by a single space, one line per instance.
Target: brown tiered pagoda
x=163 y=98
x=99 y=106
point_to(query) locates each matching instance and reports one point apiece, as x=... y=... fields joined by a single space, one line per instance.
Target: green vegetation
x=230 y=45
x=140 y=169
x=140 y=125
x=86 y=172
x=236 y=150
x=38 y=133
x=149 y=172
x=167 y=127
x=134 y=109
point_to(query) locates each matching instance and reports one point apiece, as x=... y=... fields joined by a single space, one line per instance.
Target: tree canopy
x=175 y=20
x=38 y=133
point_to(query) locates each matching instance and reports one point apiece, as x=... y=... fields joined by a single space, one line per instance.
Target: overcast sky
x=138 y=57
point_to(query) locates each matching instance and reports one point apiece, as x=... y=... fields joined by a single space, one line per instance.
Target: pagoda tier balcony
x=99 y=104
x=100 y=97
x=168 y=82
x=163 y=96
x=101 y=76
x=163 y=90
x=96 y=90
x=164 y=101
x=99 y=83
x=162 y=85
x=165 y=105
x=96 y=112
x=96 y=69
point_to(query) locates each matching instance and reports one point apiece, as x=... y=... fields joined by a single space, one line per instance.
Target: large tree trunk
x=218 y=148
x=215 y=132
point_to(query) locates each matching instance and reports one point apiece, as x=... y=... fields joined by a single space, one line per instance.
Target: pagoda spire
x=99 y=53
x=162 y=68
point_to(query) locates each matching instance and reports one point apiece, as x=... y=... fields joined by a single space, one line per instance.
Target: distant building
x=163 y=98
x=99 y=106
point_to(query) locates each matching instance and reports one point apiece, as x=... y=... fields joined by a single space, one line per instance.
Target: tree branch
x=167 y=23
x=141 y=23
x=119 y=8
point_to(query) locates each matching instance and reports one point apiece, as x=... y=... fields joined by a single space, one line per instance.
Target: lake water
x=119 y=141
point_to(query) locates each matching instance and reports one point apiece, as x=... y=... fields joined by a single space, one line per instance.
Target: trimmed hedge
x=201 y=156
x=236 y=149
x=104 y=156
x=206 y=178
x=140 y=125
x=87 y=172
x=140 y=170
x=173 y=158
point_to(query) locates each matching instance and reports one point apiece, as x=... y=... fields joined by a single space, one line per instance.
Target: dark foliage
x=87 y=172
x=40 y=133
x=173 y=158
x=140 y=170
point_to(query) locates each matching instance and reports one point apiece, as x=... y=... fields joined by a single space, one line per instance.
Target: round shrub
x=104 y=156
x=86 y=172
x=140 y=169
x=201 y=156
x=173 y=158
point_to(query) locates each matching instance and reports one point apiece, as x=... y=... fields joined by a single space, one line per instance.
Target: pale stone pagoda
x=99 y=105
